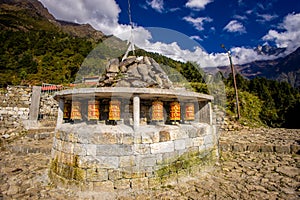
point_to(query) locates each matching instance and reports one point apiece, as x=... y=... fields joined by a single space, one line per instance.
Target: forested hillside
x=36 y=48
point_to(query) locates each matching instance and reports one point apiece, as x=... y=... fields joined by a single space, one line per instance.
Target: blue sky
x=182 y=25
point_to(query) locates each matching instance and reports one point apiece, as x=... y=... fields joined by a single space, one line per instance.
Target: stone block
x=162 y=147
x=96 y=174
x=154 y=182
x=122 y=184
x=146 y=160
x=295 y=148
x=188 y=142
x=133 y=172
x=114 y=150
x=169 y=157
x=106 y=186
x=127 y=161
x=282 y=148
x=254 y=147
x=79 y=149
x=139 y=183
x=267 y=148
x=66 y=147
x=146 y=139
x=198 y=141
x=164 y=136
x=109 y=162
x=141 y=149
x=208 y=139
x=91 y=149
x=125 y=139
x=114 y=175
x=239 y=147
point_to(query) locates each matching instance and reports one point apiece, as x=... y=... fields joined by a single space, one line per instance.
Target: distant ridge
x=24 y=15
x=281 y=69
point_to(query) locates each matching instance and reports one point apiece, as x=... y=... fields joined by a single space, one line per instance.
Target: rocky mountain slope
x=25 y=15
x=281 y=69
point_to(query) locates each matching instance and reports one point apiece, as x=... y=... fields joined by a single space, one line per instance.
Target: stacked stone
x=48 y=108
x=140 y=72
x=14 y=107
x=108 y=158
x=261 y=140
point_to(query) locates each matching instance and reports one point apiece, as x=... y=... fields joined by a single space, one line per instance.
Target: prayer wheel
x=93 y=110
x=114 y=110
x=67 y=111
x=76 y=110
x=157 y=111
x=175 y=111
x=189 y=112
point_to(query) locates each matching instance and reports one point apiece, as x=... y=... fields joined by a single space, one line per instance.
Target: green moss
x=187 y=162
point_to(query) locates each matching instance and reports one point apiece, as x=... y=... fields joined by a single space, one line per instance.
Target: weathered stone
x=267 y=148
x=282 y=149
x=288 y=171
x=122 y=184
x=164 y=136
x=96 y=174
x=114 y=150
x=139 y=183
x=127 y=161
x=162 y=147
x=179 y=144
x=106 y=186
x=113 y=66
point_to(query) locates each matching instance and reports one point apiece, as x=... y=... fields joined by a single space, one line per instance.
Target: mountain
x=281 y=69
x=26 y=15
x=37 y=48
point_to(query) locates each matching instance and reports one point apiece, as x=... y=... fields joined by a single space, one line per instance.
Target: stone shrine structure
x=134 y=130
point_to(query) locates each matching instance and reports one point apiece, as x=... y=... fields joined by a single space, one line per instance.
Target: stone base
x=118 y=157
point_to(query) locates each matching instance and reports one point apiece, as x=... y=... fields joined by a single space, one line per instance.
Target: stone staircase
x=33 y=141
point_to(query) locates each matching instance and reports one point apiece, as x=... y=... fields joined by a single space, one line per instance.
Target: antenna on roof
x=130 y=40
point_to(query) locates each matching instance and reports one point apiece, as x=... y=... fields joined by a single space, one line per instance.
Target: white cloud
x=196 y=37
x=197 y=4
x=235 y=26
x=198 y=22
x=290 y=36
x=101 y=14
x=157 y=5
x=266 y=17
x=240 y=17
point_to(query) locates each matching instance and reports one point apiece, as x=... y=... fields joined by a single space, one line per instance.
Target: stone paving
x=241 y=173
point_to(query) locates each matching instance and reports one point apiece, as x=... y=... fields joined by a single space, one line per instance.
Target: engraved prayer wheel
x=157 y=111
x=114 y=110
x=76 y=110
x=175 y=111
x=67 y=111
x=189 y=112
x=93 y=110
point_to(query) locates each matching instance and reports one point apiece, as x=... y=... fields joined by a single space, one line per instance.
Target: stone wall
x=14 y=107
x=104 y=157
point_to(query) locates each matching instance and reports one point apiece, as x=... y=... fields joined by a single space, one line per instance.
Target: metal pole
x=234 y=83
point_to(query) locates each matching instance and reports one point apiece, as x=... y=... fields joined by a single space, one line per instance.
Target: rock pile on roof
x=139 y=72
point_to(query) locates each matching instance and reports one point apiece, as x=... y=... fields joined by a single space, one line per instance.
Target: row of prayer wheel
x=175 y=114
x=74 y=111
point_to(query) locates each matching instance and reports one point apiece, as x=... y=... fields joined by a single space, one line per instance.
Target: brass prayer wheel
x=114 y=110
x=157 y=111
x=67 y=111
x=175 y=111
x=189 y=111
x=93 y=110
x=76 y=110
